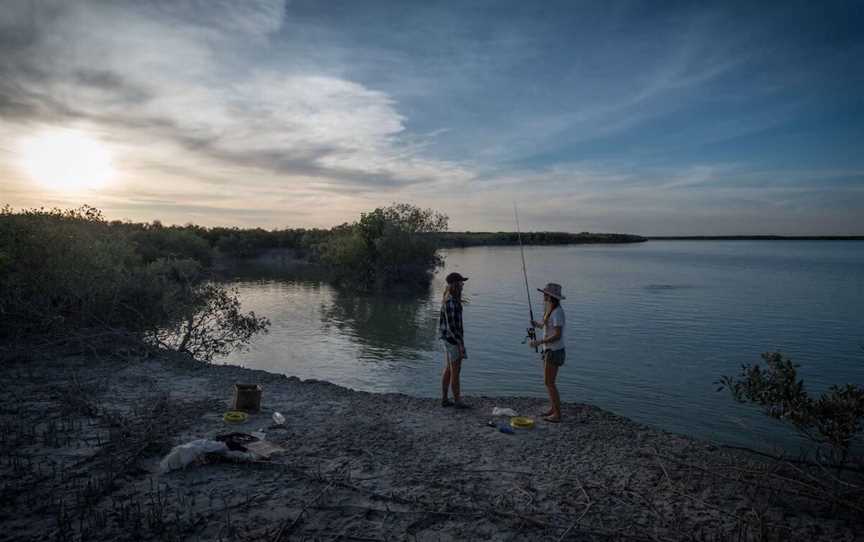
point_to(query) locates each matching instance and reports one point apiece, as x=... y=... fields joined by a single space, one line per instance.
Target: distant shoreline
x=472 y=239
x=756 y=238
x=501 y=238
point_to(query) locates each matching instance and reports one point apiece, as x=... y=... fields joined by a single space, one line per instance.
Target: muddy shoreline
x=81 y=439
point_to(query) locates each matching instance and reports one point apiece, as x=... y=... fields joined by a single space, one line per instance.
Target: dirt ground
x=81 y=439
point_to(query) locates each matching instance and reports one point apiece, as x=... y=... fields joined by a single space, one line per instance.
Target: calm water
x=651 y=327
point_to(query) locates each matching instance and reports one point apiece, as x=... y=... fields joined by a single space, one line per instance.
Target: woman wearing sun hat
x=453 y=337
x=552 y=344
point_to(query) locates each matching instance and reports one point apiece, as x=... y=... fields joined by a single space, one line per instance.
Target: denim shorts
x=555 y=357
x=452 y=350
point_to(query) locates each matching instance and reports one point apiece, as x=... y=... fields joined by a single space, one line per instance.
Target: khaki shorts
x=555 y=357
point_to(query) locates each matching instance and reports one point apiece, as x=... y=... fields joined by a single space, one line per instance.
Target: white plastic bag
x=182 y=455
x=498 y=411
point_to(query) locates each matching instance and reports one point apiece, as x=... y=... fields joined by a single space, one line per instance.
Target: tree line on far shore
x=202 y=243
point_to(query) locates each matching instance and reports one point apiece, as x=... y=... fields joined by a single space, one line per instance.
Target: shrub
x=834 y=418
x=208 y=324
x=386 y=246
x=62 y=271
x=69 y=274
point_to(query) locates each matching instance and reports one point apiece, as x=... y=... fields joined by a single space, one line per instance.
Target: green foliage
x=153 y=243
x=834 y=418
x=208 y=324
x=66 y=273
x=348 y=253
x=248 y=243
x=62 y=270
x=386 y=246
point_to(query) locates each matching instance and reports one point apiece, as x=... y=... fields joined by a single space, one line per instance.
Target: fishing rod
x=531 y=335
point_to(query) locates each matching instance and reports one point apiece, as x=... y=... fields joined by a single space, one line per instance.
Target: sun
x=66 y=160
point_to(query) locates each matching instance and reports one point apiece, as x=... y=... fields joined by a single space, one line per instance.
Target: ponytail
x=448 y=293
x=554 y=303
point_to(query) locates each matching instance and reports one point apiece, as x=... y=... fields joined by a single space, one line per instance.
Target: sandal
x=446 y=403
x=550 y=419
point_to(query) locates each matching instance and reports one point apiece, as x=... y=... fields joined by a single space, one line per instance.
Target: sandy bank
x=82 y=438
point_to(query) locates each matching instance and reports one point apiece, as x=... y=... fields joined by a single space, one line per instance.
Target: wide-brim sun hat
x=553 y=290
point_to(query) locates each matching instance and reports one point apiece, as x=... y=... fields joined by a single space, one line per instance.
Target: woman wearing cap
x=553 y=346
x=453 y=338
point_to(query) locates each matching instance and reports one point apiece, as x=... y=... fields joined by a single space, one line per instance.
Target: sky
x=654 y=118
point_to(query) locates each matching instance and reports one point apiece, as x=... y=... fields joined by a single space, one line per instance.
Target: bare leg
x=445 y=379
x=548 y=411
x=455 y=367
x=550 y=372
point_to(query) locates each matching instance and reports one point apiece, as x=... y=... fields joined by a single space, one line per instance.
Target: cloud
x=595 y=118
x=185 y=74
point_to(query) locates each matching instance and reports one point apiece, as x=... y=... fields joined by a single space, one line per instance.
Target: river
x=650 y=327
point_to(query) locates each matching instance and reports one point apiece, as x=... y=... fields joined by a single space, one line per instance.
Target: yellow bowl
x=235 y=416
x=521 y=422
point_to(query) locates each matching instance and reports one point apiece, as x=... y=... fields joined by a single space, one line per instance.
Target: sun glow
x=66 y=160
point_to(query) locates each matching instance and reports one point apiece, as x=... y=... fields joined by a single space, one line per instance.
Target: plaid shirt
x=450 y=322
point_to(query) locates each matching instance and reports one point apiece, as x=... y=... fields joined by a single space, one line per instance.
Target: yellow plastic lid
x=521 y=422
x=235 y=416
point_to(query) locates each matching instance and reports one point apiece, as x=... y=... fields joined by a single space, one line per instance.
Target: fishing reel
x=531 y=335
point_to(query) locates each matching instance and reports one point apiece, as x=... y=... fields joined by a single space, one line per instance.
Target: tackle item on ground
x=236 y=441
x=499 y=411
x=278 y=418
x=252 y=443
x=263 y=449
x=235 y=416
x=501 y=426
x=522 y=422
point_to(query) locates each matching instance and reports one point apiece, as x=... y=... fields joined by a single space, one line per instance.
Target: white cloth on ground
x=182 y=455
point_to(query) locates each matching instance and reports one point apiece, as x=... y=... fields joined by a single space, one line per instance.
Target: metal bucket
x=247 y=397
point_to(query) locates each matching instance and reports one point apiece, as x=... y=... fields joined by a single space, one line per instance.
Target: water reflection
x=395 y=326
x=239 y=271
